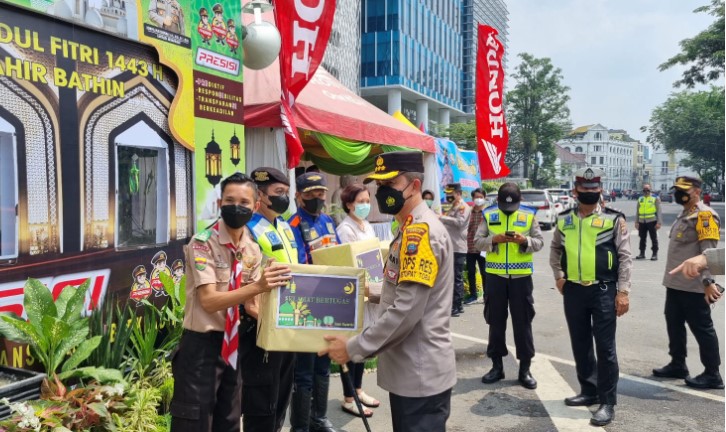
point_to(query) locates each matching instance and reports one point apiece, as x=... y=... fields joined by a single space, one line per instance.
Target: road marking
x=677 y=388
x=552 y=394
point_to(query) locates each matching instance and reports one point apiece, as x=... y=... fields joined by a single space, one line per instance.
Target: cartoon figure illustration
x=218 y=26
x=447 y=174
x=167 y=14
x=141 y=288
x=159 y=262
x=177 y=271
x=232 y=40
x=204 y=28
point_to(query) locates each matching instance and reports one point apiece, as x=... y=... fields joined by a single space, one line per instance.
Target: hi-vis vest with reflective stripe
x=509 y=259
x=589 y=252
x=646 y=207
x=275 y=243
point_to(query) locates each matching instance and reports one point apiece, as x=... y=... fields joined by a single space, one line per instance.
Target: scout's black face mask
x=588 y=198
x=279 y=204
x=235 y=216
x=390 y=200
x=313 y=205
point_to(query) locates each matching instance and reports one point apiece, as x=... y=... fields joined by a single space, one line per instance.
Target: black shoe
x=527 y=380
x=494 y=375
x=470 y=300
x=654 y=257
x=455 y=312
x=707 y=380
x=582 y=400
x=461 y=309
x=671 y=370
x=640 y=257
x=603 y=416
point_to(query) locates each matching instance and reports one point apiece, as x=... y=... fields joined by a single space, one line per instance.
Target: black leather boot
x=319 y=416
x=603 y=416
x=674 y=369
x=654 y=257
x=709 y=379
x=641 y=256
x=525 y=376
x=300 y=410
x=496 y=373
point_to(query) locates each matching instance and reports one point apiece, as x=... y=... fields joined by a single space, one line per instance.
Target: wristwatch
x=708 y=281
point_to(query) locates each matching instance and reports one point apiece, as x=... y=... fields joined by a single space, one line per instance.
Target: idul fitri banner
x=201 y=41
x=457 y=166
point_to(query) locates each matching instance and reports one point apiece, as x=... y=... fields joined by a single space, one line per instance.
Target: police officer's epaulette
x=527 y=209
x=613 y=211
x=491 y=207
x=203 y=236
x=564 y=212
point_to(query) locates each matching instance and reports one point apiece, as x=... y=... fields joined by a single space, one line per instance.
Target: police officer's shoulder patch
x=527 y=209
x=417 y=260
x=707 y=226
x=613 y=211
x=203 y=236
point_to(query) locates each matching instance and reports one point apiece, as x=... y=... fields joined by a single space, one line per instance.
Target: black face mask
x=279 y=204
x=313 y=205
x=645 y=191
x=449 y=199
x=588 y=198
x=390 y=200
x=681 y=197
x=235 y=216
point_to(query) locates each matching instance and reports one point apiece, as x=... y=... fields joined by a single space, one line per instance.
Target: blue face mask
x=362 y=210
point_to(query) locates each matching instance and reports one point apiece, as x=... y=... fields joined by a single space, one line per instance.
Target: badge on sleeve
x=418 y=263
x=707 y=227
x=331 y=229
x=597 y=222
x=569 y=222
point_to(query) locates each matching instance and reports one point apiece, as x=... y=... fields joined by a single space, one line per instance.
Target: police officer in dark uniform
x=591 y=260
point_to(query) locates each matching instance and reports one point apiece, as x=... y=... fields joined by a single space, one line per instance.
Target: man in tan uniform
x=223 y=265
x=411 y=337
x=456 y=221
x=687 y=300
x=167 y=14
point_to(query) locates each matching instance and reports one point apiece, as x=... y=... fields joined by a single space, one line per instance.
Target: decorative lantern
x=234 y=145
x=213 y=162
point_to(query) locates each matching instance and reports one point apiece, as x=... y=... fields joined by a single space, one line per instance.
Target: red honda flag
x=492 y=135
x=304 y=27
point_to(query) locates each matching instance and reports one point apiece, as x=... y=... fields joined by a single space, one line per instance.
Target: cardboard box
x=320 y=300
x=364 y=254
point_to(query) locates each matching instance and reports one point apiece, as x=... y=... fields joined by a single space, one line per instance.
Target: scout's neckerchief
x=231 y=324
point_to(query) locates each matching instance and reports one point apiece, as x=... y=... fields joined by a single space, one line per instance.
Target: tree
x=693 y=122
x=463 y=134
x=704 y=52
x=537 y=112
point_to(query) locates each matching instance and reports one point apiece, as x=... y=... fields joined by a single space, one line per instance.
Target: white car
x=563 y=197
x=547 y=209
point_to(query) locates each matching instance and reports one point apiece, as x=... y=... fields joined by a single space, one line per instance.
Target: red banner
x=492 y=135
x=304 y=27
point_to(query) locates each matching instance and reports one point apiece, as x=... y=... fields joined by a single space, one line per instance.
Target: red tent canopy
x=326 y=106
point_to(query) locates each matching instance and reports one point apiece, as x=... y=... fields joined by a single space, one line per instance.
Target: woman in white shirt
x=356 y=202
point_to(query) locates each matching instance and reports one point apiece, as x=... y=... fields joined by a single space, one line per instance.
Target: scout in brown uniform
x=687 y=300
x=223 y=271
x=411 y=336
x=456 y=221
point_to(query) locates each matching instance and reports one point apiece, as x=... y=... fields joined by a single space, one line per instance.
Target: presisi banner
x=457 y=166
x=491 y=128
x=304 y=31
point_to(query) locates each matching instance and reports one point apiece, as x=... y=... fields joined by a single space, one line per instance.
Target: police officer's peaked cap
x=685 y=183
x=177 y=264
x=589 y=177
x=452 y=188
x=509 y=197
x=217 y=8
x=310 y=181
x=159 y=256
x=393 y=164
x=139 y=270
x=203 y=12
x=266 y=175
x=230 y=22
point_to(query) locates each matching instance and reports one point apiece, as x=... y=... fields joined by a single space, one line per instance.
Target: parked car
x=542 y=201
x=562 y=196
x=665 y=197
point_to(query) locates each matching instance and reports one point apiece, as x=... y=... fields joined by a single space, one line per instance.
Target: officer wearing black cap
x=313 y=230
x=591 y=260
x=159 y=262
x=509 y=233
x=687 y=300
x=411 y=336
x=267 y=376
x=456 y=221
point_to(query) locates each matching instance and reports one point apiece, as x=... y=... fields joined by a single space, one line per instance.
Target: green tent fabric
x=347 y=157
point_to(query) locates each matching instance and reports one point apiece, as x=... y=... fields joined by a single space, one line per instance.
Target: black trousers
x=355 y=373
x=459 y=262
x=683 y=308
x=510 y=294
x=590 y=313
x=420 y=414
x=267 y=378
x=207 y=391
x=645 y=228
x=472 y=259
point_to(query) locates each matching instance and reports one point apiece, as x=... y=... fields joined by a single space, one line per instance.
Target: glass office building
x=413 y=55
x=342 y=55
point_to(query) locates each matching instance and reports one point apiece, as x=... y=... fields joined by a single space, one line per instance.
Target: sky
x=609 y=52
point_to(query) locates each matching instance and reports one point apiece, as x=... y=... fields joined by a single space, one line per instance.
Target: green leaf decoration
x=10 y=331
x=82 y=352
x=74 y=340
x=74 y=307
x=54 y=332
x=38 y=303
x=102 y=375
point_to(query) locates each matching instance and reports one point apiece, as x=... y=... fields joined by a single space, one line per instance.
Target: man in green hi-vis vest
x=267 y=376
x=591 y=260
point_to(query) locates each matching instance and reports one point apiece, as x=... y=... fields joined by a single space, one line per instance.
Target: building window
x=597 y=148
x=664 y=167
x=593 y=160
x=142 y=182
x=598 y=136
x=578 y=149
x=8 y=193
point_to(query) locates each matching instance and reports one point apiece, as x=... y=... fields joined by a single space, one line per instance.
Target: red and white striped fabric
x=231 y=324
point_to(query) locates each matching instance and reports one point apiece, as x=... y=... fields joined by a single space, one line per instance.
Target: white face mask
x=479 y=202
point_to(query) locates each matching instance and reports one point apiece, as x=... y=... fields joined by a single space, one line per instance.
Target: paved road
x=645 y=403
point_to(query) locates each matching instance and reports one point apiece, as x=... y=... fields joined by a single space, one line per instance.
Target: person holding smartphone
x=510 y=235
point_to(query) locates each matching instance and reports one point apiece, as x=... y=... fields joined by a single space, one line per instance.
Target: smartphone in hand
x=509 y=233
